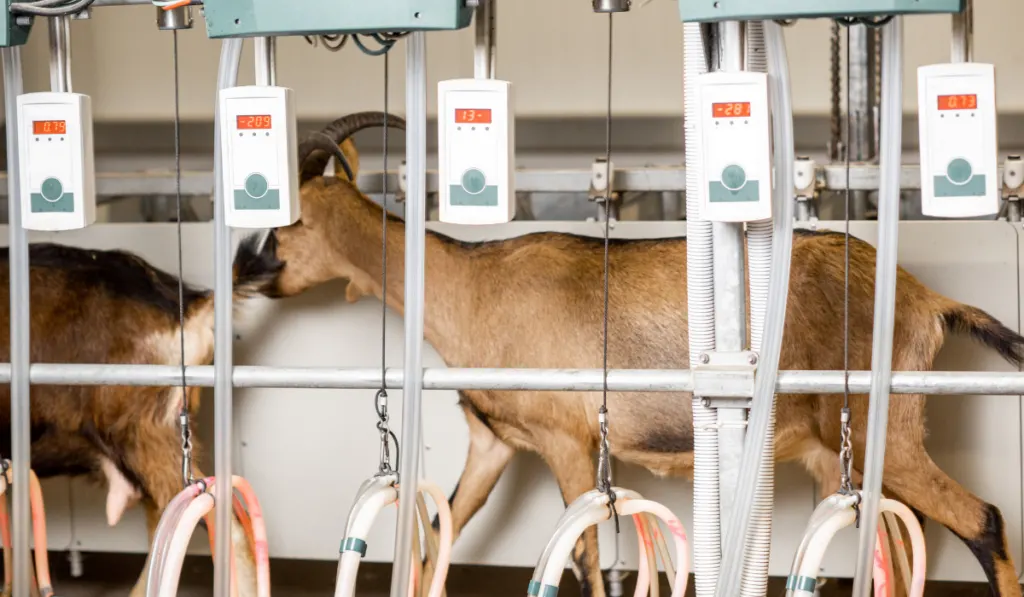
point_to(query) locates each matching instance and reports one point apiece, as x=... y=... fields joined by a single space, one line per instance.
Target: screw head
x=705 y=402
x=753 y=359
x=705 y=358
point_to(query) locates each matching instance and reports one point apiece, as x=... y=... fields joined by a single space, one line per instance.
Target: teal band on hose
x=534 y=588
x=548 y=591
x=353 y=544
x=801 y=583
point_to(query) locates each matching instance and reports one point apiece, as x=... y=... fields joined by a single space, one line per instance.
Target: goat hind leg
x=574 y=469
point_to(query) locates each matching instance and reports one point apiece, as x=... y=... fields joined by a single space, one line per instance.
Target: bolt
x=705 y=402
x=753 y=359
x=705 y=358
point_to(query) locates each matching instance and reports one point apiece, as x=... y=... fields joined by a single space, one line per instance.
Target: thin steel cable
x=846 y=448
x=604 y=459
x=186 y=434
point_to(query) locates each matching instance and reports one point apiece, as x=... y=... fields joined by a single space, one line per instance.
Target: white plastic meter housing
x=259 y=157
x=735 y=135
x=957 y=124
x=55 y=147
x=476 y=151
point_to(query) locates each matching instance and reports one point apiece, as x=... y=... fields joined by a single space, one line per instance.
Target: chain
x=183 y=416
x=604 y=468
x=836 y=115
x=381 y=400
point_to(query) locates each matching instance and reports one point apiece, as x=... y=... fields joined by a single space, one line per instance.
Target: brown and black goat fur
x=109 y=307
x=555 y=321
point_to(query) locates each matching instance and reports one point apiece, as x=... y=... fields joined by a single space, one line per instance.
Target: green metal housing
x=248 y=18
x=12 y=34
x=749 y=10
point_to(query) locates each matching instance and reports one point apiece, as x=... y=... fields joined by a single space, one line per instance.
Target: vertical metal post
x=227 y=76
x=485 y=52
x=962 y=48
x=60 y=54
x=415 y=241
x=19 y=321
x=730 y=299
x=885 y=301
x=861 y=80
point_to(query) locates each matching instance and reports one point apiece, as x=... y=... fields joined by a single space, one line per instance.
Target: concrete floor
x=110 y=575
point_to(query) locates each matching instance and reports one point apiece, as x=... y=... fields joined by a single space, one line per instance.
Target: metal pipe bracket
x=725 y=379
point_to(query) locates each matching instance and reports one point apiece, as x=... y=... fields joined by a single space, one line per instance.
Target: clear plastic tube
x=164 y=529
x=368 y=506
x=675 y=527
x=171 y=574
x=644 y=568
x=885 y=295
x=756 y=453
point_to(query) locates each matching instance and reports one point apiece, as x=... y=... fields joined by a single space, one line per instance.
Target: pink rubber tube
x=5 y=536
x=164 y=529
x=659 y=542
x=881 y=575
x=643 y=569
x=196 y=510
x=444 y=547
x=916 y=542
x=261 y=551
x=39 y=535
x=633 y=506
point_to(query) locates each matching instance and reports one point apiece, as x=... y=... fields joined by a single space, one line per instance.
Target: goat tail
x=964 y=319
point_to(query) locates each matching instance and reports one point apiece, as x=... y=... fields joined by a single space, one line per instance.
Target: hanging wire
x=336 y=41
x=381 y=400
x=604 y=469
x=846 y=448
x=183 y=416
x=49 y=8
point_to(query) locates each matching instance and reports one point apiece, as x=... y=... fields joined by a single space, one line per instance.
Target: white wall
x=553 y=50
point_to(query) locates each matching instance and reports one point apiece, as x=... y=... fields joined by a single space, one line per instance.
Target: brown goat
x=112 y=307
x=555 y=321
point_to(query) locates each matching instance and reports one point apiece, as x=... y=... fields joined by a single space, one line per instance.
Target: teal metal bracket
x=251 y=18
x=749 y=10
x=11 y=33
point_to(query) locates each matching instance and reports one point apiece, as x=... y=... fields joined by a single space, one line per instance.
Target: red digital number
x=49 y=127
x=472 y=116
x=958 y=102
x=731 y=110
x=256 y=121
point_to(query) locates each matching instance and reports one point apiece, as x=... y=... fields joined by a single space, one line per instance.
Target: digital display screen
x=958 y=102
x=49 y=127
x=254 y=121
x=731 y=110
x=472 y=116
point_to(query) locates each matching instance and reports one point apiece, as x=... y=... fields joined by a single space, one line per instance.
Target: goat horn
x=338 y=131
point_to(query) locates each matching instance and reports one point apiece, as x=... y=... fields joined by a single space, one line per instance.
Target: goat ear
x=348 y=148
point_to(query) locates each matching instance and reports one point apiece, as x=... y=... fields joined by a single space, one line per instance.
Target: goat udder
x=121 y=494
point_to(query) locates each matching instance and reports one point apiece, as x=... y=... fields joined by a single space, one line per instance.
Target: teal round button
x=473 y=181
x=959 y=171
x=256 y=185
x=51 y=190
x=733 y=178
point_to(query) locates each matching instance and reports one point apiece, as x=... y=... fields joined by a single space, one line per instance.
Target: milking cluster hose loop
x=183 y=416
x=604 y=465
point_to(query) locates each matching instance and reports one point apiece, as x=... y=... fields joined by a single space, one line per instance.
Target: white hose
x=700 y=293
x=816 y=547
x=567 y=540
x=364 y=513
x=759 y=264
